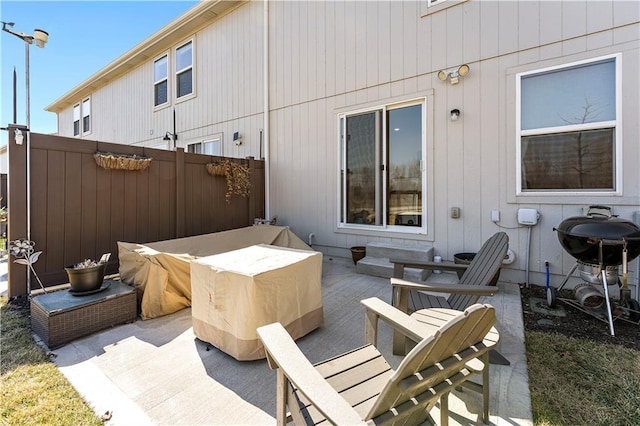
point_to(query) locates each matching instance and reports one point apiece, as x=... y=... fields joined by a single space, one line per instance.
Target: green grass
x=581 y=382
x=34 y=391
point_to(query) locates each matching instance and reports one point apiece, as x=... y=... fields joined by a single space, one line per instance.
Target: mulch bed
x=575 y=323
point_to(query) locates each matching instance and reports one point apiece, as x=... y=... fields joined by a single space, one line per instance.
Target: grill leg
x=607 y=302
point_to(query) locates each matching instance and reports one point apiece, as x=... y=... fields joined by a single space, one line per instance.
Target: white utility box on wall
x=528 y=217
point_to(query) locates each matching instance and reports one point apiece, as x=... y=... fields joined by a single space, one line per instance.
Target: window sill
x=428 y=10
x=571 y=198
x=185 y=98
x=375 y=231
x=161 y=106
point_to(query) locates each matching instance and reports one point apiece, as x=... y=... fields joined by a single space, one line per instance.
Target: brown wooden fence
x=3 y=190
x=80 y=210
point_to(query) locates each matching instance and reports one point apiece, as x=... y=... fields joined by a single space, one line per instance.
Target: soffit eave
x=187 y=24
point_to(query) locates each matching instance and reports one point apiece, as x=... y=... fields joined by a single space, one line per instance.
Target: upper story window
x=382 y=178
x=184 y=70
x=569 y=128
x=76 y=120
x=161 y=81
x=86 y=115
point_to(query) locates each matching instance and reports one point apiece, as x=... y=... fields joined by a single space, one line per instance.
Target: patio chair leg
x=444 y=409
x=281 y=398
x=485 y=388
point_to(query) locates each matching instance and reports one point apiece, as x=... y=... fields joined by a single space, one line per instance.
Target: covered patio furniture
x=160 y=271
x=238 y=291
x=475 y=282
x=360 y=387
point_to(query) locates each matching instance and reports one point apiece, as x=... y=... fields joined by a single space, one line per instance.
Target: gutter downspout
x=265 y=63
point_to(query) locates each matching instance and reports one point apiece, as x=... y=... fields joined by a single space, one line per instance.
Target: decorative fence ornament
x=237 y=174
x=107 y=160
x=25 y=253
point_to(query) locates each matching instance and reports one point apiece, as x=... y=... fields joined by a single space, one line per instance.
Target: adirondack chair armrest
x=443 y=266
x=445 y=288
x=283 y=353
x=376 y=309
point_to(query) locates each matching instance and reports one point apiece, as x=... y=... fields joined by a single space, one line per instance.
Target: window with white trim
x=86 y=116
x=382 y=178
x=568 y=128
x=184 y=70
x=161 y=81
x=211 y=146
x=76 y=120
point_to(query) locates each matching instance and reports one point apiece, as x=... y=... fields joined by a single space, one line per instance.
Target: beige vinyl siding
x=228 y=92
x=326 y=57
x=375 y=51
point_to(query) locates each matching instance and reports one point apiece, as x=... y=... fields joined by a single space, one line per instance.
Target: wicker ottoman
x=61 y=317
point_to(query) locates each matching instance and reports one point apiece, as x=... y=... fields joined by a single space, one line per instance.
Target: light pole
x=40 y=37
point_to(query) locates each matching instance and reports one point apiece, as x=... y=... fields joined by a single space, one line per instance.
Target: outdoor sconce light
x=19 y=137
x=455 y=114
x=454 y=73
x=236 y=138
x=168 y=136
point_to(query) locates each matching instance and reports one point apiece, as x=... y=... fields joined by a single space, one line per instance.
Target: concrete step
x=381 y=267
x=414 y=252
x=377 y=263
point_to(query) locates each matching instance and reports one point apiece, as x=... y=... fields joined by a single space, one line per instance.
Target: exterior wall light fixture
x=19 y=137
x=168 y=137
x=454 y=74
x=455 y=114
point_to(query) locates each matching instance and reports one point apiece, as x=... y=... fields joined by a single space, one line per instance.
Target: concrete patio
x=157 y=372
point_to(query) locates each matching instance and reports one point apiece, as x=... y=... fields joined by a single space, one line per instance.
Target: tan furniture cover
x=236 y=292
x=160 y=271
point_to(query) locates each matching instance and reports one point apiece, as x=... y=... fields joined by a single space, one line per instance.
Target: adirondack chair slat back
x=482 y=269
x=430 y=363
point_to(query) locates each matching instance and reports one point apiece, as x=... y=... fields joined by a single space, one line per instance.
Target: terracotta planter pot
x=357 y=253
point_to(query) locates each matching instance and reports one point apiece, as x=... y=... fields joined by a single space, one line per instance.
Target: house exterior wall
x=330 y=57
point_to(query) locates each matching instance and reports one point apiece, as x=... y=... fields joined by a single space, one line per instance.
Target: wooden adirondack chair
x=359 y=387
x=422 y=324
x=475 y=282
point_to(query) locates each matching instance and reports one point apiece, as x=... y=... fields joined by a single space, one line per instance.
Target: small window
x=161 y=81
x=184 y=70
x=568 y=124
x=76 y=120
x=208 y=147
x=86 y=115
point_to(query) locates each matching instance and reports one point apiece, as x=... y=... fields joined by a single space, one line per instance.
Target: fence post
x=17 y=213
x=180 y=183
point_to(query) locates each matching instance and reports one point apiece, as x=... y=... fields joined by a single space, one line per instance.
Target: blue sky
x=84 y=36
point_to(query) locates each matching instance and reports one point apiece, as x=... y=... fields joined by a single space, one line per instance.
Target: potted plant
x=358 y=253
x=87 y=275
x=237 y=175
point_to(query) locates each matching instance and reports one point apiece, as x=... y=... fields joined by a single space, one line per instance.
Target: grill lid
x=581 y=237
